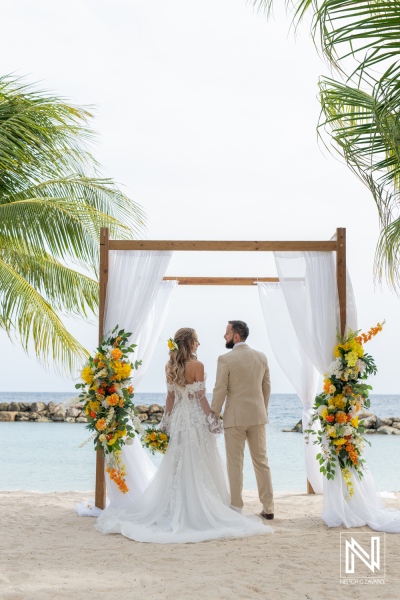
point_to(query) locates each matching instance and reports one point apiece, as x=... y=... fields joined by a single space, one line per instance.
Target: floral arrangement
x=155 y=440
x=107 y=394
x=338 y=407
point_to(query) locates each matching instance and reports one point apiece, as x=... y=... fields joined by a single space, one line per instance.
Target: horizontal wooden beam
x=223 y=246
x=221 y=280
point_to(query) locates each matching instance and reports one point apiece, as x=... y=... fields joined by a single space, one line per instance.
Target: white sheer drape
x=137 y=300
x=294 y=362
x=150 y=333
x=135 y=278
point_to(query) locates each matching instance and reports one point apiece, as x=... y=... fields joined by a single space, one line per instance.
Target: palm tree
x=361 y=109
x=52 y=205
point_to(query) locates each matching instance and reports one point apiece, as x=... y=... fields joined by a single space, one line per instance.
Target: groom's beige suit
x=243 y=381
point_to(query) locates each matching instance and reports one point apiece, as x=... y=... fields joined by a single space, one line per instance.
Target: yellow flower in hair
x=172 y=345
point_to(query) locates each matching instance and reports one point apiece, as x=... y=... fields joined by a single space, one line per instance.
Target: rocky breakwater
x=40 y=412
x=372 y=424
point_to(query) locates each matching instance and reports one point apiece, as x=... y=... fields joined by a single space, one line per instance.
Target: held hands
x=215 y=424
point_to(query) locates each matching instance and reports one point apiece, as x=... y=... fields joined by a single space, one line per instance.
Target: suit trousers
x=235 y=438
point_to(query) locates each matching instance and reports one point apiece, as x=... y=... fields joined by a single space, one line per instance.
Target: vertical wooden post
x=100 y=495
x=341 y=275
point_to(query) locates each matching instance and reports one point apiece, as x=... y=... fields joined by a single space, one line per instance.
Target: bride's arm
x=169 y=405
x=197 y=374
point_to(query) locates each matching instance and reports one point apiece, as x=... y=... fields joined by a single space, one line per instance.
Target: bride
x=187 y=500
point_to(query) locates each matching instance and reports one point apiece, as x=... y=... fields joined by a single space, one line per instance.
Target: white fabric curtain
x=294 y=362
x=135 y=278
x=137 y=300
x=151 y=331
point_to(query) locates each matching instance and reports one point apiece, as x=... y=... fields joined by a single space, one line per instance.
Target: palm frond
x=24 y=313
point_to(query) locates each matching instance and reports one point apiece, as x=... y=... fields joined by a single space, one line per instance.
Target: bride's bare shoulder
x=194 y=371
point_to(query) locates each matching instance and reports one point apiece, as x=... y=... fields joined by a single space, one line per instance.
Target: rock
x=33 y=416
x=157 y=416
x=81 y=419
x=6 y=415
x=141 y=408
x=386 y=429
x=52 y=406
x=43 y=420
x=298 y=428
x=365 y=413
x=72 y=412
x=70 y=419
x=24 y=406
x=369 y=431
x=142 y=416
x=4 y=406
x=384 y=421
x=14 y=406
x=59 y=416
x=38 y=407
x=22 y=416
x=369 y=422
x=155 y=408
x=396 y=424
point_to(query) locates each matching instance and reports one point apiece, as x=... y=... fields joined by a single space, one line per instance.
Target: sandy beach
x=49 y=552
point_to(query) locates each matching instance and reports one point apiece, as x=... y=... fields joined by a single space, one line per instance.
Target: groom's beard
x=229 y=345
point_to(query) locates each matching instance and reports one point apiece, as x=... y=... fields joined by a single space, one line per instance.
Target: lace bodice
x=194 y=395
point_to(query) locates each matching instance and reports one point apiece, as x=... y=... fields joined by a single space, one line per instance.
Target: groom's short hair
x=240 y=328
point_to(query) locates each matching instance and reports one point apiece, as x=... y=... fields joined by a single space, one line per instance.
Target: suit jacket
x=243 y=380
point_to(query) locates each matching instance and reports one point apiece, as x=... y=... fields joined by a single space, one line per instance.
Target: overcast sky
x=206 y=113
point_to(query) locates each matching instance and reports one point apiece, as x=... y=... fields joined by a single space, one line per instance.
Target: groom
x=243 y=380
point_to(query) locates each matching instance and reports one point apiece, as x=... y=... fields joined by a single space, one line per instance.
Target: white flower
x=102 y=437
x=321 y=409
x=347 y=430
x=335 y=368
x=361 y=366
x=101 y=373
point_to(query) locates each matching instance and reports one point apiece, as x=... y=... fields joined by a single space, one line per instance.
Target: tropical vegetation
x=53 y=202
x=361 y=105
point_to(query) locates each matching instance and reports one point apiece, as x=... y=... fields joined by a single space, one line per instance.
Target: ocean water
x=46 y=457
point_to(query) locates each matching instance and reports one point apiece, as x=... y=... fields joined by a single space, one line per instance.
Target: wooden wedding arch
x=338 y=246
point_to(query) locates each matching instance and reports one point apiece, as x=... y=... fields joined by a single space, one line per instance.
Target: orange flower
x=130 y=389
x=330 y=418
x=112 y=400
x=111 y=389
x=121 y=402
x=101 y=425
x=341 y=417
x=92 y=414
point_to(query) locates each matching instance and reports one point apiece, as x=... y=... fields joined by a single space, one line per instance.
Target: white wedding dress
x=187 y=500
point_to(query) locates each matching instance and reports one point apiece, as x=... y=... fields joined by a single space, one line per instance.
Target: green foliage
x=361 y=110
x=53 y=203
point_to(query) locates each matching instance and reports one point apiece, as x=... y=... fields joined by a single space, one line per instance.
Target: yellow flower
x=324 y=413
x=121 y=370
x=172 y=345
x=356 y=347
x=351 y=358
x=340 y=402
x=340 y=442
x=330 y=431
x=87 y=375
x=354 y=422
x=122 y=433
x=94 y=405
x=112 y=440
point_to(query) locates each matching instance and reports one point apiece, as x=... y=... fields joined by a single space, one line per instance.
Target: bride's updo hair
x=185 y=339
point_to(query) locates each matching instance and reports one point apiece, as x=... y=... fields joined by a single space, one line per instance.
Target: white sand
x=49 y=552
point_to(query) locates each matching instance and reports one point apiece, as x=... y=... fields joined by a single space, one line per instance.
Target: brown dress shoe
x=264 y=515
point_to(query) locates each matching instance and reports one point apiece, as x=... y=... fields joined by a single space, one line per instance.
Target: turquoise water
x=46 y=457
